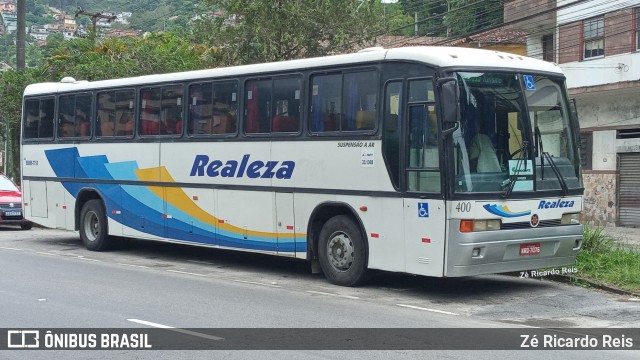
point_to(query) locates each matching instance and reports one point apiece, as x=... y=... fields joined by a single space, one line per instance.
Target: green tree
x=34 y=56
x=396 y=21
x=12 y=85
x=268 y=30
x=468 y=16
x=430 y=16
x=8 y=48
x=80 y=58
x=124 y=56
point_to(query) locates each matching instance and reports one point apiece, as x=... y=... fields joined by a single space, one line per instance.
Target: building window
x=593 y=34
x=633 y=133
x=547 y=48
x=586 y=149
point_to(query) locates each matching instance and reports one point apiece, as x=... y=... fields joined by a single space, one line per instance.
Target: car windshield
x=7 y=185
x=495 y=149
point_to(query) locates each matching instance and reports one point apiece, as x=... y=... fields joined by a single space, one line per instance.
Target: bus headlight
x=479 y=225
x=570 y=219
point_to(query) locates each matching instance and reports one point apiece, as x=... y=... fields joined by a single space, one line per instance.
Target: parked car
x=11 y=204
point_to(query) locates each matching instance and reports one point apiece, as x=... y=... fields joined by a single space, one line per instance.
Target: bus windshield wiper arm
x=556 y=171
x=514 y=177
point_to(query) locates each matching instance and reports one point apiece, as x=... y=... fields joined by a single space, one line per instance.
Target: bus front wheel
x=93 y=226
x=342 y=252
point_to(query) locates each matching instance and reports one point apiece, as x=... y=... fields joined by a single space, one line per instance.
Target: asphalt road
x=47 y=279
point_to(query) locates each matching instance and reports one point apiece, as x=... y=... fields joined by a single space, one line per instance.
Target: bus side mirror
x=449 y=104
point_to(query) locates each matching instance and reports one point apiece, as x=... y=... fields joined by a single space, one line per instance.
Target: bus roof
x=435 y=56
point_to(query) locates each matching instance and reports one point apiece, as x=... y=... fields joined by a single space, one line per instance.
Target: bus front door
x=424 y=210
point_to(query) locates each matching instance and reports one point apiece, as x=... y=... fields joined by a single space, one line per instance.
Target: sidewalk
x=626 y=236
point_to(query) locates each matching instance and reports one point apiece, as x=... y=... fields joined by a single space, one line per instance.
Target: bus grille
x=527 y=225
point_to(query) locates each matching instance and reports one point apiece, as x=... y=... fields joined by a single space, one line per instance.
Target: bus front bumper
x=490 y=252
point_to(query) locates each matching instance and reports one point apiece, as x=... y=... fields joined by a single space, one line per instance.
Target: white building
x=123 y=18
x=597 y=44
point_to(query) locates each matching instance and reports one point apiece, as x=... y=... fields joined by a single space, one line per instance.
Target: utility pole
x=94 y=17
x=21 y=36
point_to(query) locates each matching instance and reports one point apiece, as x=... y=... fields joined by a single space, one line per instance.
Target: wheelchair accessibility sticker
x=423 y=210
x=529 y=82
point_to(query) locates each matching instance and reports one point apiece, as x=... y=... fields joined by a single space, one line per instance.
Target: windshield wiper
x=524 y=149
x=552 y=163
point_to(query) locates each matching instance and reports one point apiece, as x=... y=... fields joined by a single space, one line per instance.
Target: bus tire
x=94 y=230
x=26 y=226
x=342 y=252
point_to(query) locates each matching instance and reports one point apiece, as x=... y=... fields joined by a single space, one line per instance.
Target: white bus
x=427 y=160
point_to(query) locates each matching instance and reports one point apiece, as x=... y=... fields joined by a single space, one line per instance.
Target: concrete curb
x=567 y=280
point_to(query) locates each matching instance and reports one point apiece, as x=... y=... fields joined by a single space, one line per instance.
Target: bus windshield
x=515 y=135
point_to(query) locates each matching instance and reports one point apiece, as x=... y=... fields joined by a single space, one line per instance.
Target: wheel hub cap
x=340 y=250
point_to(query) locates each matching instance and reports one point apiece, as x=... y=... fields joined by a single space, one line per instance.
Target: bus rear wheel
x=342 y=252
x=94 y=230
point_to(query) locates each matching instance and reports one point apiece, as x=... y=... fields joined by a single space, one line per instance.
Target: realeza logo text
x=252 y=169
x=555 y=204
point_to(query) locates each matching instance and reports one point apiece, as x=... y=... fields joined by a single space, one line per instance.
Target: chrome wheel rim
x=340 y=251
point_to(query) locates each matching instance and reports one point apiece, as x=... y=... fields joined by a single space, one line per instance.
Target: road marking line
x=152 y=324
x=427 y=309
x=138 y=266
x=201 y=262
x=46 y=253
x=8 y=248
x=330 y=294
x=183 y=331
x=87 y=259
x=257 y=283
x=186 y=273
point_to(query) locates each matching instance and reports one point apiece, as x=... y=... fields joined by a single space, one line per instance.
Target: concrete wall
x=609 y=109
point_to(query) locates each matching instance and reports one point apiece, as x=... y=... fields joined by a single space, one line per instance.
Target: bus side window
x=82 y=113
x=150 y=111
x=225 y=108
x=171 y=110
x=392 y=126
x=106 y=113
x=360 y=101
x=32 y=119
x=286 y=98
x=423 y=166
x=326 y=103
x=66 y=116
x=45 y=130
x=258 y=107
x=200 y=109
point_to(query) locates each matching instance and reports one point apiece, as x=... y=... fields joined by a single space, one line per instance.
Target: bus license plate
x=530 y=249
x=12 y=213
